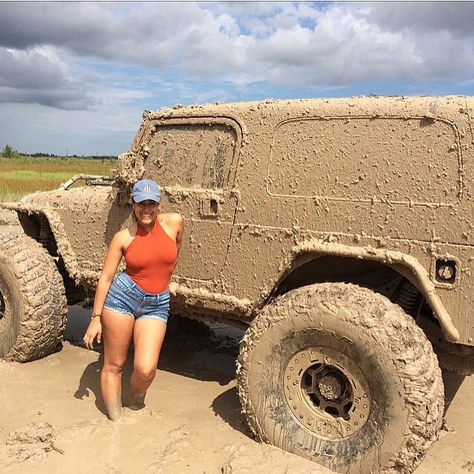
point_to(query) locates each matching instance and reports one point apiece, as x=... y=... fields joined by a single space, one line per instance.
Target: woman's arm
x=179 y=226
x=112 y=260
x=175 y=223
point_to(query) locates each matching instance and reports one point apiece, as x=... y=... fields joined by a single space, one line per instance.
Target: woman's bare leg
x=148 y=336
x=117 y=334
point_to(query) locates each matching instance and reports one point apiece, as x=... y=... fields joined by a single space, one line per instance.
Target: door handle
x=209 y=206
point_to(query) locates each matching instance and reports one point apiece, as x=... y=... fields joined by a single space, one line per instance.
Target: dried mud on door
x=193 y=161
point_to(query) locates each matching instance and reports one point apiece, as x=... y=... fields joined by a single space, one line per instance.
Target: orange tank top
x=150 y=258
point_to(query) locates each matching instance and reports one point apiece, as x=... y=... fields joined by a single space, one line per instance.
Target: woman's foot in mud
x=135 y=401
x=114 y=409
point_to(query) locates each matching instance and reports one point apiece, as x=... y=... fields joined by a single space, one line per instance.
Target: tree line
x=9 y=152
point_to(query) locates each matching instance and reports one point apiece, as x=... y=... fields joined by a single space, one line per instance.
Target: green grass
x=24 y=175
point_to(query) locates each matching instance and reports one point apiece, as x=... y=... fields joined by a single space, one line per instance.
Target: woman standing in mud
x=135 y=304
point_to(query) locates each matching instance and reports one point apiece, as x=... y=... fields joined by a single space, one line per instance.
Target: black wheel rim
x=327 y=393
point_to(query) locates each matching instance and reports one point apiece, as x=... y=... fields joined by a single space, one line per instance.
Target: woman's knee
x=113 y=367
x=144 y=372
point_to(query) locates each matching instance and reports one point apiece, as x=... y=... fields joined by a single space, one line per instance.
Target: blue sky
x=75 y=77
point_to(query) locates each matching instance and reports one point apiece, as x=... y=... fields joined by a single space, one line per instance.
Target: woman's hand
x=93 y=331
x=112 y=259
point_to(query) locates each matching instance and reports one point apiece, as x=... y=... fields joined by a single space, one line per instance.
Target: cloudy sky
x=75 y=77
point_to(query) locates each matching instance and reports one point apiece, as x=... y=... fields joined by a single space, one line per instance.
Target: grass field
x=23 y=175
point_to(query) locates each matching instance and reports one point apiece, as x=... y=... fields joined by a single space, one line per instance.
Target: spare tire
x=33 y=306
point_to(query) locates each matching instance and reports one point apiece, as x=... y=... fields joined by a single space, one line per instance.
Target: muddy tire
x=32 y=301
x=338 y=374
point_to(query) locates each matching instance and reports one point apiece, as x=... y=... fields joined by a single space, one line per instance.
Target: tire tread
x=42 y=291
x=410 y=350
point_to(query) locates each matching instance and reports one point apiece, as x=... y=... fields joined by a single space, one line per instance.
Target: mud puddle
x=53 y=415
x=192 y=423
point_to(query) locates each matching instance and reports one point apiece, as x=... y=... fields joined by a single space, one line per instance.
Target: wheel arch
x=45 y=226
x=316 y=261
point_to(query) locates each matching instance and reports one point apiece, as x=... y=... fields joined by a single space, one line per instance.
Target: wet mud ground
x=52 y=416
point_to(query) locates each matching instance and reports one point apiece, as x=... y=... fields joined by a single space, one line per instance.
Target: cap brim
x=140 y=197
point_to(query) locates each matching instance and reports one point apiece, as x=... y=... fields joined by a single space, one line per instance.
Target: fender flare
x=64 y=247
x=406 y=265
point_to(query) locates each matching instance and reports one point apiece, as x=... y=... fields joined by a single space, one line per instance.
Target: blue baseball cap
x=146 y=190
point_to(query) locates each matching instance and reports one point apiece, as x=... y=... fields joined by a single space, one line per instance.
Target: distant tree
x=8 y=152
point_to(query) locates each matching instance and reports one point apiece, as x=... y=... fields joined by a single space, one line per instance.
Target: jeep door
x=193 y=160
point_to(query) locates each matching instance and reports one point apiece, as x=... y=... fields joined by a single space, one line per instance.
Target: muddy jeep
x=338 y=232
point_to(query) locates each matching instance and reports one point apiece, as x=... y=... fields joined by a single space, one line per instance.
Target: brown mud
x=8 y=217
x=52 y=415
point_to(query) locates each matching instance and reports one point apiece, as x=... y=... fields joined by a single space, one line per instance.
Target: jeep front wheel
x=340 y=375
x=32 y=301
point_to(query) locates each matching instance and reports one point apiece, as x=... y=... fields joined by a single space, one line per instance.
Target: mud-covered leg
x=148 y=337
x=117 y=331
x=113 y=408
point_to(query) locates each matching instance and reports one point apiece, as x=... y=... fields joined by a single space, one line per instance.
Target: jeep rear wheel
x=340 y=375
x=32 y=302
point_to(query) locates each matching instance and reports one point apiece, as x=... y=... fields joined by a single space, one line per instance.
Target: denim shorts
x=126 y=297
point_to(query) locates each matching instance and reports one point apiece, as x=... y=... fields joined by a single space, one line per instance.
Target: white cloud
x=347 y=45
x=38 y=75
x=341 y=43
x=456 y=17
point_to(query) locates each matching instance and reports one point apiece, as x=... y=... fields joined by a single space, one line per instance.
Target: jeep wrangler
x=338 y=232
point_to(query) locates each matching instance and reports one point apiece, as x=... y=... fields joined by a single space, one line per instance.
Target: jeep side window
x=352 y=159
x=191 y=155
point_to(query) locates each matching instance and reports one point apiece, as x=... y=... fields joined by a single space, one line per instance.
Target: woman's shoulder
x=171 y=218
x=173 y=222
x=128 y=231
x=125 y=235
